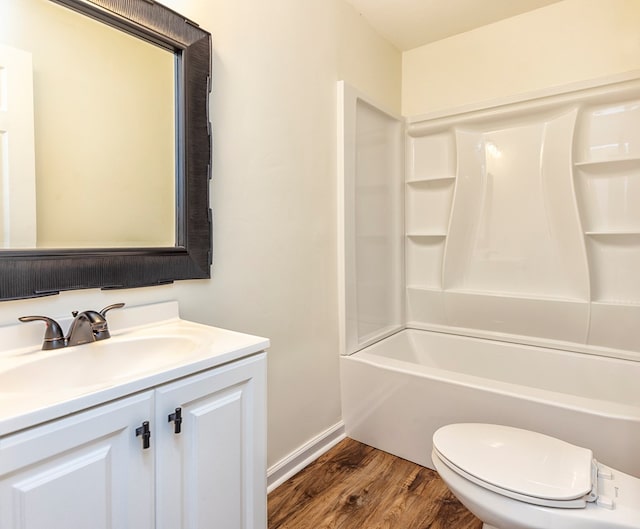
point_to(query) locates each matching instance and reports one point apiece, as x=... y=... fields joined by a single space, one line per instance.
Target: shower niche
x=521 y=219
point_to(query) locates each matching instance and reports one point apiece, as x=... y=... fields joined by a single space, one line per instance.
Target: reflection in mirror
x=102 y=135
x=118 y=88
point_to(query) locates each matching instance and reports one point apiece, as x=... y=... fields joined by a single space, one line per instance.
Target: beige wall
x=274 y=194
x=276 y=65
x=565 y=42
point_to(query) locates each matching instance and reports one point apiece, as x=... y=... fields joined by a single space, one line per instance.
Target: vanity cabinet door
x=87 y=470
x=212 y=475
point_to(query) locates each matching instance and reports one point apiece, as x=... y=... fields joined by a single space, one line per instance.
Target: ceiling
x=412 y=23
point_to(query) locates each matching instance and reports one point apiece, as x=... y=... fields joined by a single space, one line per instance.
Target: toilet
x=517 y=479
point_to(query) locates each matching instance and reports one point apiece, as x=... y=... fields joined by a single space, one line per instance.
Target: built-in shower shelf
x=434 y=235
x=617 y=302
x=609 y=163
x=417 y=181
x=613 y=233
x=428 y=204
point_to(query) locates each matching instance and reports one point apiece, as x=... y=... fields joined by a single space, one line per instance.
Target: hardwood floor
x=354 y=486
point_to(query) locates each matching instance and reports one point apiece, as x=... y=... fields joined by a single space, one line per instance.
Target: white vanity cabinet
x=213 y=473
x=85 y=470
x=90 y=470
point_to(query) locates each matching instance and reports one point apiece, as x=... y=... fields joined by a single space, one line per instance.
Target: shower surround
x=515 y=224
x=517 y=221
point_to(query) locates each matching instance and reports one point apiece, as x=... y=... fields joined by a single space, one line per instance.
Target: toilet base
x=487 y=526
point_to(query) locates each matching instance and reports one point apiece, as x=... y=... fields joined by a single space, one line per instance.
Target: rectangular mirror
x=105 y=147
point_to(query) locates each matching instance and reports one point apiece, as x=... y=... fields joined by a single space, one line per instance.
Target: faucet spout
x=85 y=326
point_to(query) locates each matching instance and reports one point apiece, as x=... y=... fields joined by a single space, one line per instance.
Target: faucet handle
x=53 y=336
x=102 y=333
x=110 y=307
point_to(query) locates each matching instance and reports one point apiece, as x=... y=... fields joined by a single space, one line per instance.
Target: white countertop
x=209 y=347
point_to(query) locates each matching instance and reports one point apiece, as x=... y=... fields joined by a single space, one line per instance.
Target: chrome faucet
x=87 y=326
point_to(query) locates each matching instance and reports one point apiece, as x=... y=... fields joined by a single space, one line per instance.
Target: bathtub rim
x=465 y=332
x=556 y=399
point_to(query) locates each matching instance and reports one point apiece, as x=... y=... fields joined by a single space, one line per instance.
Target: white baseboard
x=305 y=454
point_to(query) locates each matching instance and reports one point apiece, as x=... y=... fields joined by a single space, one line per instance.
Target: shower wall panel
x=522 y=219
x=371 y=219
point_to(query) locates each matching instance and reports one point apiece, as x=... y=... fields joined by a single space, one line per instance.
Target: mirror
x=115 y=193
x=103 y=136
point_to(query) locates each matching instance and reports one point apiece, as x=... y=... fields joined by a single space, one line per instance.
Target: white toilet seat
x=577 y=503
x=523 y=465
x=618 y=506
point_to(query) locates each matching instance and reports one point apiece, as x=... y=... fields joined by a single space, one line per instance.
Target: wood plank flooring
x=354 y=486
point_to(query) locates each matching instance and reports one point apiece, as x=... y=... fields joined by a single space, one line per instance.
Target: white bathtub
x=397 y=392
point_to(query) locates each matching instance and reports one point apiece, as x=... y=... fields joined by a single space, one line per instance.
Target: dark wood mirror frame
x=34 y=273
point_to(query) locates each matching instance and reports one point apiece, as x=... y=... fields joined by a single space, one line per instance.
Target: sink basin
x=96 y=364
x=150 y=345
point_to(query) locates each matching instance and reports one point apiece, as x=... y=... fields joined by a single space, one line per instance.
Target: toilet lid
x=526 y=463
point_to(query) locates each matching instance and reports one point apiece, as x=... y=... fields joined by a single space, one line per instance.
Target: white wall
x=276 y=65
x=562 y=43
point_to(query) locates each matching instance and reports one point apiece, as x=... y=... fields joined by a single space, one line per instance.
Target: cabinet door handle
x=145 y=433
x=176 y=417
